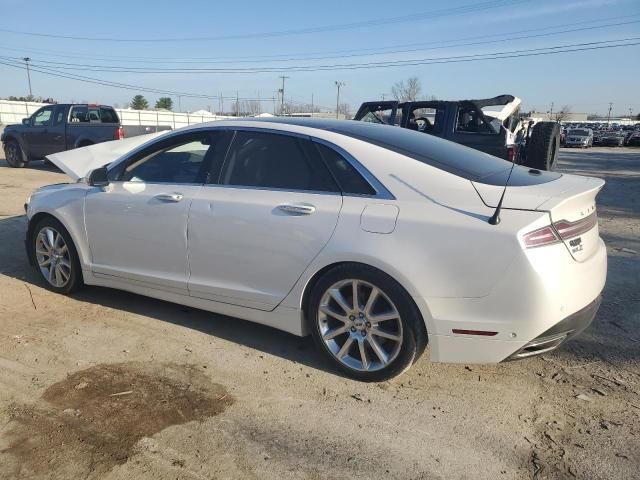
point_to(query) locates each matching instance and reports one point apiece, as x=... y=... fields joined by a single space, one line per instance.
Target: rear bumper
x=560 y=332
x=544 y=299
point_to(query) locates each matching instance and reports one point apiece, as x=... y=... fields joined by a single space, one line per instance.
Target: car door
x=137 y=225
x=37 y=135
x=254 y=232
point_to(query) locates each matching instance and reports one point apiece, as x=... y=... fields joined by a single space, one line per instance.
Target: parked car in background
x=56 y=128
x=633 y=140
x=491 y=125
x=612 y=138
x=579 y=137
x=374 y=239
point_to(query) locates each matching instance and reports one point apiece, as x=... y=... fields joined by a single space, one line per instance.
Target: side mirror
x=99 y=177
x=26 y=121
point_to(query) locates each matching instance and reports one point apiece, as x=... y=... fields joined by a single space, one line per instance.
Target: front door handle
x=169 y=197
x=297 y=208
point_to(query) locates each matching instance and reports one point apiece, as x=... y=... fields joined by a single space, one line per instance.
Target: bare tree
x=345 y=109
x=407 y=92
x=564 y=113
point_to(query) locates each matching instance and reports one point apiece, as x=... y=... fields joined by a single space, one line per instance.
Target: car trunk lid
x=570 y=202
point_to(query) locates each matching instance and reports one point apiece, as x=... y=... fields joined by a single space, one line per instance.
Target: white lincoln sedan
x=376 y=240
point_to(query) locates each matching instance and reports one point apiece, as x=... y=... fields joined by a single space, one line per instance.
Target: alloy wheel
x=360 y=325
x=52 y=255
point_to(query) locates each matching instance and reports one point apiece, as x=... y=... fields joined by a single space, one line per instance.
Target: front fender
x=66 y=204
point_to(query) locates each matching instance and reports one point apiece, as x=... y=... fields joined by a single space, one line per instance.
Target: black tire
x=14 y=155
x=75 y=278
x=414 y=334
x=543 y=146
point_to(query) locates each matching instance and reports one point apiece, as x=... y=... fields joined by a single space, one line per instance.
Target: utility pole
x=630 y=113
x=312 y=105
x=384 y=95
x=282 y=93
x=237 y=105
x=551 y=112
x=338 y=85
x=609 y=114
x=180 y=103
x=221 y=105
x=27 y=60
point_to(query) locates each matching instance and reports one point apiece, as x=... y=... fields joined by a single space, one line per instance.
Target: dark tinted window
x=79 y=113
x=59 y=116
x=471 y=121
x=108 y=115
x=348 y=178
x=172 y=161
x=269 y=160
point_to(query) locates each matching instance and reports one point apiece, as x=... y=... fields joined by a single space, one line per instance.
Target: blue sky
x=587 y=81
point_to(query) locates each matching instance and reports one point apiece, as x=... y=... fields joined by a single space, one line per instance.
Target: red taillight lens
x=540 y=237
x=119 y=133
x=562 y=230
x=568 y=230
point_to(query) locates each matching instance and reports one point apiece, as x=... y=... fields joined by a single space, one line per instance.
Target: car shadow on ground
x=13 y=263
x=34 y=165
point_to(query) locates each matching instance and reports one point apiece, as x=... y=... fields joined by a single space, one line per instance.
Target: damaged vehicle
x=375 y=240
x=491 y=125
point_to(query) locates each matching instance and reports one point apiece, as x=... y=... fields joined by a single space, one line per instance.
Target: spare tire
x=543 y=146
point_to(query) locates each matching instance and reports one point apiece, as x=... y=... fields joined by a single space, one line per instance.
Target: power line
x=460 y=10
x=469 y=58
x=139 y=88
x=433 y=45
x=566 y=48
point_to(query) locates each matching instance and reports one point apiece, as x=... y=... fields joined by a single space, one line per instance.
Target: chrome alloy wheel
x=52 y=255
x=360 y=325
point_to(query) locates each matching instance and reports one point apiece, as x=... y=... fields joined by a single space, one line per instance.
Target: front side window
x=42 y=117
x=269 y=160
x=176 y=161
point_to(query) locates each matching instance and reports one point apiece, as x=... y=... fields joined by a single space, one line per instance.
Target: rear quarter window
x=108 y=115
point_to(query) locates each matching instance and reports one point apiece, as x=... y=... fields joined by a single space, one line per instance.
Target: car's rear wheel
x=365 y=323
x=14 y=155
x=55 y=256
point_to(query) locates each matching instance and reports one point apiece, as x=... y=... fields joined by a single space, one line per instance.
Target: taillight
x=561 y=230
x=119 y=133
x=540 y=237
x=568 y=230
x=512 y=152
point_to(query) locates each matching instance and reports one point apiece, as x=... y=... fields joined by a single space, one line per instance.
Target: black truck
x=56 y=128
x=491 y=125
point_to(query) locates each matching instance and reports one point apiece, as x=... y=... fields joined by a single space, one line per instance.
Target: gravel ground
x=113 y=385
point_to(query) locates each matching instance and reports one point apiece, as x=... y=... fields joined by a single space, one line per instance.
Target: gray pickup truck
x=56 y=128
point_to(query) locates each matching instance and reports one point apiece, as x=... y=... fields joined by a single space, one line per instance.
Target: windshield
x=380 y=115
x=584 y=133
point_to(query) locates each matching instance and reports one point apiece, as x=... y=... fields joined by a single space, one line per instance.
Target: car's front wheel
x=14 y=155
x=55 y=256
x=365 y=323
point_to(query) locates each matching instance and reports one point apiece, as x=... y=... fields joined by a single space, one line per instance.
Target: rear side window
x=79 y=114
x=470 y=120
x=270 y=160
x=108 y=115
x=348 y=178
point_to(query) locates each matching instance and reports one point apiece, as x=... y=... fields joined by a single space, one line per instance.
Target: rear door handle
x=169 y=197
x=297 y=208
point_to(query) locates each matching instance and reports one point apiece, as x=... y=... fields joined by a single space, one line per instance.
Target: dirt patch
x=91 y=421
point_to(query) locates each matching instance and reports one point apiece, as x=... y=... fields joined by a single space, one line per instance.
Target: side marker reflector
x=474 y=332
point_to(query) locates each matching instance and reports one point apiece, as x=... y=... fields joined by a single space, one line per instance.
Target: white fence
x=14 y=112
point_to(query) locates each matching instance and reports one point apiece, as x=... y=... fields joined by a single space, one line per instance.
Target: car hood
x=79 y=162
